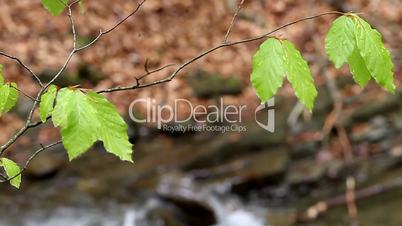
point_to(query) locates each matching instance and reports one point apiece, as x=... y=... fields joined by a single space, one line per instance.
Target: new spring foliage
x=350 y=40
x=87 y=117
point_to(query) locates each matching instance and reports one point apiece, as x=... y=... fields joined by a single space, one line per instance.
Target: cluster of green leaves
x=83 y=118
x=87 y=117
x=350 y=40
x=275 y=59
x=8 y=98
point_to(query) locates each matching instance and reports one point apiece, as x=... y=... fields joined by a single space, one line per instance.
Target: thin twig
x=233 y=21
x=213 y=49
x=137 y=85
x=28 y=123
x=23 y=65
x=20 y=132
x=25 y=94
x=102 y=33
x=70 y=16
x=149 y=72
x=36 y=153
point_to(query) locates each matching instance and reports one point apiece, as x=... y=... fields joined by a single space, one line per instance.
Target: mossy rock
x=84 y=75
x=208 y=85
x=65 y=79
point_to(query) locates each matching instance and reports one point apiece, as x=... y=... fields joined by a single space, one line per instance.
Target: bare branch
x=73 y=30
x=125 y=18
x=25 y=94
x=28 y=123
x=36 y=153
x=149 y=72
x=20 y=132
x=233 y=21
x=23 y=65
x=213 y=49
x=102 y=33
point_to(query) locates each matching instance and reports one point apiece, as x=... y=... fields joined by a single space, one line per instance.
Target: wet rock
x=23 y=107
x=66 y=79
x=207 y=85
x=223 y=147
x=45 y=165
x=307 y=173
x=324 y=101
x=257 y=138
x=87 y=73
x=265 y=169
x=84 y=75
x=140 y=131
x=385 y=162
x=163 y=216
x=303 y=150
x=221 y=171
x=371 y=135
x=143 y=183
x=189 y=212
x=92 y=187
x=281 y=217
x=377 y=129
x=389 y=104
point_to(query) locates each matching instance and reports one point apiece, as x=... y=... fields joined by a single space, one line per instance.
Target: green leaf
x=12 y=170
x=1 y=75
x=85 y=119
x=8 y=97
x=268 y=69
x=46 y=104
x=376 y=57
x=55 y=7
x=113 y=130
x=358 y=68
x=299 y=75
x=340 y=41
x=77 y=119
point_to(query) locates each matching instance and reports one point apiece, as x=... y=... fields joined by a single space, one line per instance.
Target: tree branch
x=213 y=49
x=73 y=30
x=36 y=153
x=233 y=21
x=102 y=33
x=29 y=124
x=23 y=65
x=25 y=94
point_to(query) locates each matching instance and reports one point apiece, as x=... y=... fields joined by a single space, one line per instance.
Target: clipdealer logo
x=269 y=107
x=196 y=118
